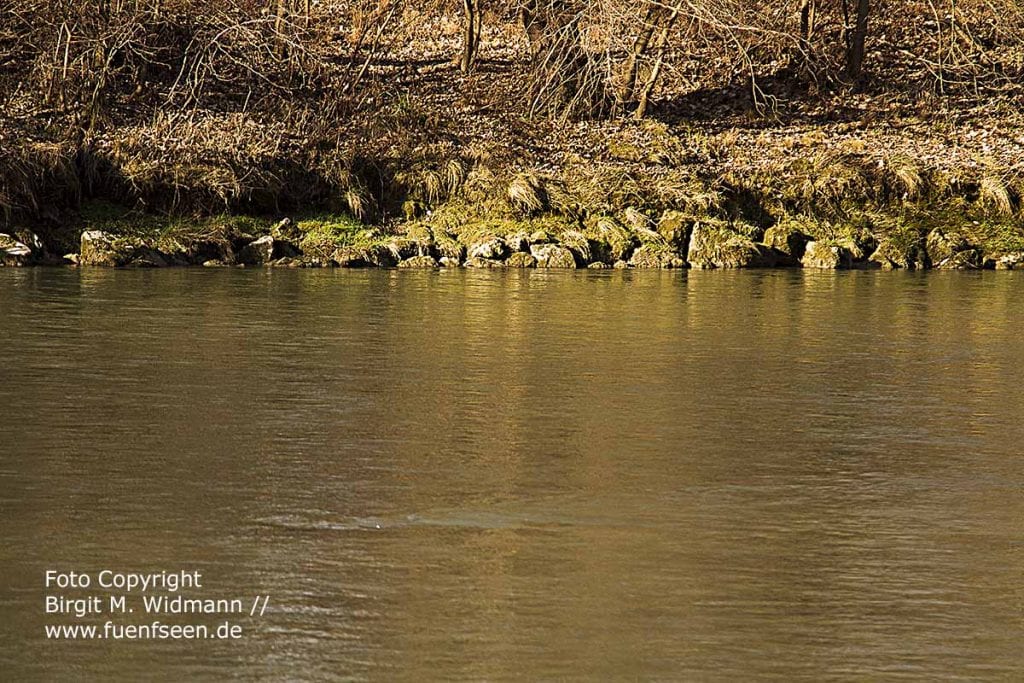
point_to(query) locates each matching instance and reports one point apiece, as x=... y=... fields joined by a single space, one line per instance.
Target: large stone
x=521 y=260
x=144 y=257
x=826 y=256
x=576 y=242
x=258 y=252
x=656 y=255
x=787 y=240
x=449 y=248
x=943 y=245
x=892 y=255
x=418 y=262
x=552 y=256
x=374 y=256
x=493 y=248
x=1014 y=261
x=98 y=248
x=969 y=259
x=714 y=246
x=478 y=262
x=518 y=242
x=14 y=252
x=676 y=227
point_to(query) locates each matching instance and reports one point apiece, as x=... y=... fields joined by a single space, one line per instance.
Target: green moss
x=323 y=234
x=168 y=233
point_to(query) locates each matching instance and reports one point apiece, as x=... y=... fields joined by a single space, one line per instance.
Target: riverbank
x=419 y=164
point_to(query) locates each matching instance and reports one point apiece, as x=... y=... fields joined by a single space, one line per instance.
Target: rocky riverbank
x=633 y=239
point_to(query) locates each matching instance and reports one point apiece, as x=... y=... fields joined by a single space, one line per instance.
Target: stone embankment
x=674 y=241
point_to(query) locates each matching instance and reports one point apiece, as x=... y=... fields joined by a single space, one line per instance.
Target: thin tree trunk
x=652 y=78
x=628 y=83
x=855 y=58
x=471 y=34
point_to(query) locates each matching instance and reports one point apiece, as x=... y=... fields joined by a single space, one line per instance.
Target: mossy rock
x=675 y=227
x=654 y=255
x=478 y=262
x=610 y=241
x=715 y=246
x=13 y=252
x=553 y=256
x=788 y=238
x=450 y=248
x=99 y=248
x=893 y=254
x=418 y=262
x=826 y=255
x=942 y=245
x=579 y=244
x=353 y=256
x=489 y=247
x=521 y=260
x=967 y=259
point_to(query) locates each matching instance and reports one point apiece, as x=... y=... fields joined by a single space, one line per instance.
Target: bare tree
x=472 y=28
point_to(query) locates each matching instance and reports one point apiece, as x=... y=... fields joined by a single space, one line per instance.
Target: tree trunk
x=855 y=57
x=470 y=34
x=652 y=78
x=627 y=85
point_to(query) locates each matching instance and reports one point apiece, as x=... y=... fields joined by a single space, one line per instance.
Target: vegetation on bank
x=388 y=132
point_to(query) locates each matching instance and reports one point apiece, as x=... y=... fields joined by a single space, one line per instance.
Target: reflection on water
x=524 y=475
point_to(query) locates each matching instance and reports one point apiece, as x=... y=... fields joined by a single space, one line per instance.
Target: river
x=522 y=475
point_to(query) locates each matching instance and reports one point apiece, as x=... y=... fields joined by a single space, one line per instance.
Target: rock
x=610 y=241
x=214 y=263
x=492 y=248
x=98 y=248
x=450 y=249
x=521 y=260
x=969 y=259
x=519 y=242
x=637 y=220
x=286 y=262
x=404 y=248
x=787 y=240
x=286 y=231
x=620 y=265
x=541 y=237
x=715 y=246
x=942 y=245
x=13 y=252
x=449 y=262
x=598 y=266
x=858 y=242
x=71 y=259
x=478 y=262
x=258 y=252
x=374 y=256
x=576 y=242
x=553 y=256
x=826 y=256
x=418 y=262
x=209 y=250
x=676 y=227
x=892 y=255
x=656 y=255
x=1014 y=261
x=145 y=257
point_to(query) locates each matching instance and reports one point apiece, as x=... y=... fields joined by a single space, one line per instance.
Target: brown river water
x=520 y=475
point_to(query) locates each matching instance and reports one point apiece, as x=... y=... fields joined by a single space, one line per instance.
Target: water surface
x=465 y=475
